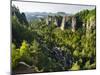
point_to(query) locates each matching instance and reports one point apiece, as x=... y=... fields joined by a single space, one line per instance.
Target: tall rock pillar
x=73 y=24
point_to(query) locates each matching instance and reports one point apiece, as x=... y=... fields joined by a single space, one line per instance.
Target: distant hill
x=36 y=15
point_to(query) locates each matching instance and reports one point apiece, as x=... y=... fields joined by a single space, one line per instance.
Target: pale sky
x=48 y=7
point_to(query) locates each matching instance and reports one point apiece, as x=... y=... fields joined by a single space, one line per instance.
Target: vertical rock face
x=92 y=22
x=48 y=20
x=63 y=23
x=55 y=21
x=90 y=25
x=87 y=25
x=67 y=18
x=73 y=23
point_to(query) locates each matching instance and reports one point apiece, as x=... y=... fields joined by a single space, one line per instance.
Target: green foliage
x=15 y=56
x=88 y=65
x=23 y=49
x=20 y=16
x=76 y=53
x=48 y=48
x=75 y=66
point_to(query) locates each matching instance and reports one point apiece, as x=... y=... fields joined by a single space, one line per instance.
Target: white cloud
x=48 y=7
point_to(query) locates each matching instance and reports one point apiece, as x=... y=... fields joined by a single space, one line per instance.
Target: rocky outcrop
x=48 y=20
x=73 y=24
x=55 y=21
x=90 y=25
x=62 y=21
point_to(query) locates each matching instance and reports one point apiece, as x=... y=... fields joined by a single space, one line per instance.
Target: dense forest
x=39 y=47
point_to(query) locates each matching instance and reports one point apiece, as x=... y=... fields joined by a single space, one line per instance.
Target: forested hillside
x=43 y=46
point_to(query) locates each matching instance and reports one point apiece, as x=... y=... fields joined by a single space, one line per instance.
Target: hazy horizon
x=50 y=8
